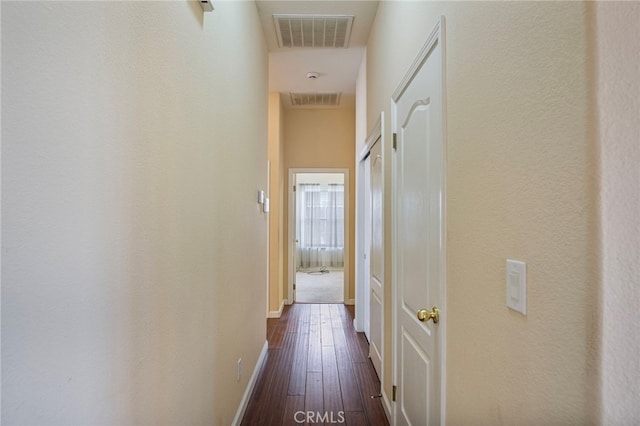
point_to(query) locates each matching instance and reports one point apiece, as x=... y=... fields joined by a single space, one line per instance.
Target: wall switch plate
x=517 y=286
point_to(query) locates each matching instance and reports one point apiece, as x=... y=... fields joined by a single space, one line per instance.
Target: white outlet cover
x=517 y=286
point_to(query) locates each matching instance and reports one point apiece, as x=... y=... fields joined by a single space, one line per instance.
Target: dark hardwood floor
x=317 y=369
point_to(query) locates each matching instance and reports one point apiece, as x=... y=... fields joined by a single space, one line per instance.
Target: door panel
x=419 y=255
x=413 y=379
x=375 y=339
x=377 y=260
x=414 y=247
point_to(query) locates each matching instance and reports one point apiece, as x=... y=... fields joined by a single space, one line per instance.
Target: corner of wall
x=617 y=43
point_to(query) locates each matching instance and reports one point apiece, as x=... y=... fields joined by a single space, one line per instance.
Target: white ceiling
x=338 y=68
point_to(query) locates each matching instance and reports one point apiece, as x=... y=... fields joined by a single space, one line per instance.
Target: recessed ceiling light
x=312 y=75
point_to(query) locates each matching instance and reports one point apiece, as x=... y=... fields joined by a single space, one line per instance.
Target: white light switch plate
x=517 y=286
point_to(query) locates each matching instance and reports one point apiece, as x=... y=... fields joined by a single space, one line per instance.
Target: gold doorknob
x=433 y=314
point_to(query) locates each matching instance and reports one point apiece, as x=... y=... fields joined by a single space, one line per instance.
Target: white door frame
x=361 y=246
x=436 y=36
x=292 y=226
x=362 y=186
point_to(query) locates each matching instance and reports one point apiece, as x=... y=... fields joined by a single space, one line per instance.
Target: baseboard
x=355 y=326
x=350 y=302
x=278 y=313
x=252 y=383
x=387 y=406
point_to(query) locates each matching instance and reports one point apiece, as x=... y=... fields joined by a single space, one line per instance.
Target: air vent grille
x=313 y=30
x=315 y=99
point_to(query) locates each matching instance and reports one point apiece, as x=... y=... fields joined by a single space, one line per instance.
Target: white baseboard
x=278 y=313
x=355 y=326
x=350 y=302
x=252 y=383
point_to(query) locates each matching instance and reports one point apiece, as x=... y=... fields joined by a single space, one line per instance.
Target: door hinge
x=294 y=188
x=294 y=286
x=395 y=141
x=394 y=393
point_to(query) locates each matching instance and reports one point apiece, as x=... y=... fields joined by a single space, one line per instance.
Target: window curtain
x=320 y=226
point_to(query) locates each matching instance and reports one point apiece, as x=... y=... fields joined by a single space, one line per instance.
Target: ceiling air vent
x=315 y=99
x=313 y=30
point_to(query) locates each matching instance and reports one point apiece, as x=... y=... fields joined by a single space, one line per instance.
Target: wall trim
x=350 y=302
x=355 y=326
x=278 y=313
x=242 y=408
x=387 y=406
x=292 y=172
x=374 y=135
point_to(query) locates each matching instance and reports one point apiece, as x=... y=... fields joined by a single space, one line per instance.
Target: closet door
x=376 y=295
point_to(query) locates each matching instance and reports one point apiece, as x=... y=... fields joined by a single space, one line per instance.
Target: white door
x=376 y=295
x=419 y=250
x=367 y=247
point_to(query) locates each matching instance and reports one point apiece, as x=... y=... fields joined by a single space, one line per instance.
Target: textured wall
x=362 y=129
x=521 y=184
x=321 y=138
x=133 y=143
x=618 y=77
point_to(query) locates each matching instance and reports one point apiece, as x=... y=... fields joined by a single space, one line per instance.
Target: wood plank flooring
x=316 y=363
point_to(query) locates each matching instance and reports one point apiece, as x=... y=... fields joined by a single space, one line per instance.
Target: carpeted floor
x=320 y=288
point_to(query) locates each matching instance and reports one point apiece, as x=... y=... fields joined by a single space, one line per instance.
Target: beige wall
x=362 y=129
x=320 y=178
x=618 y=81
x=521 y=184
x=276 y=213
x=129 y=179
x=321 y=138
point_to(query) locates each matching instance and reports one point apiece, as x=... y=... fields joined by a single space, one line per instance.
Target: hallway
x=316 y=363
x=148 y=151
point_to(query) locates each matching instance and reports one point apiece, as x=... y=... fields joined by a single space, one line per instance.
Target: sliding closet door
x=376 y=295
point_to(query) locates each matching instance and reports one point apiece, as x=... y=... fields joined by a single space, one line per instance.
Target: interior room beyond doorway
x=320 y=229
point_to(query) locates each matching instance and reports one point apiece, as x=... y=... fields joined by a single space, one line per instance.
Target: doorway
x=318 y=226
